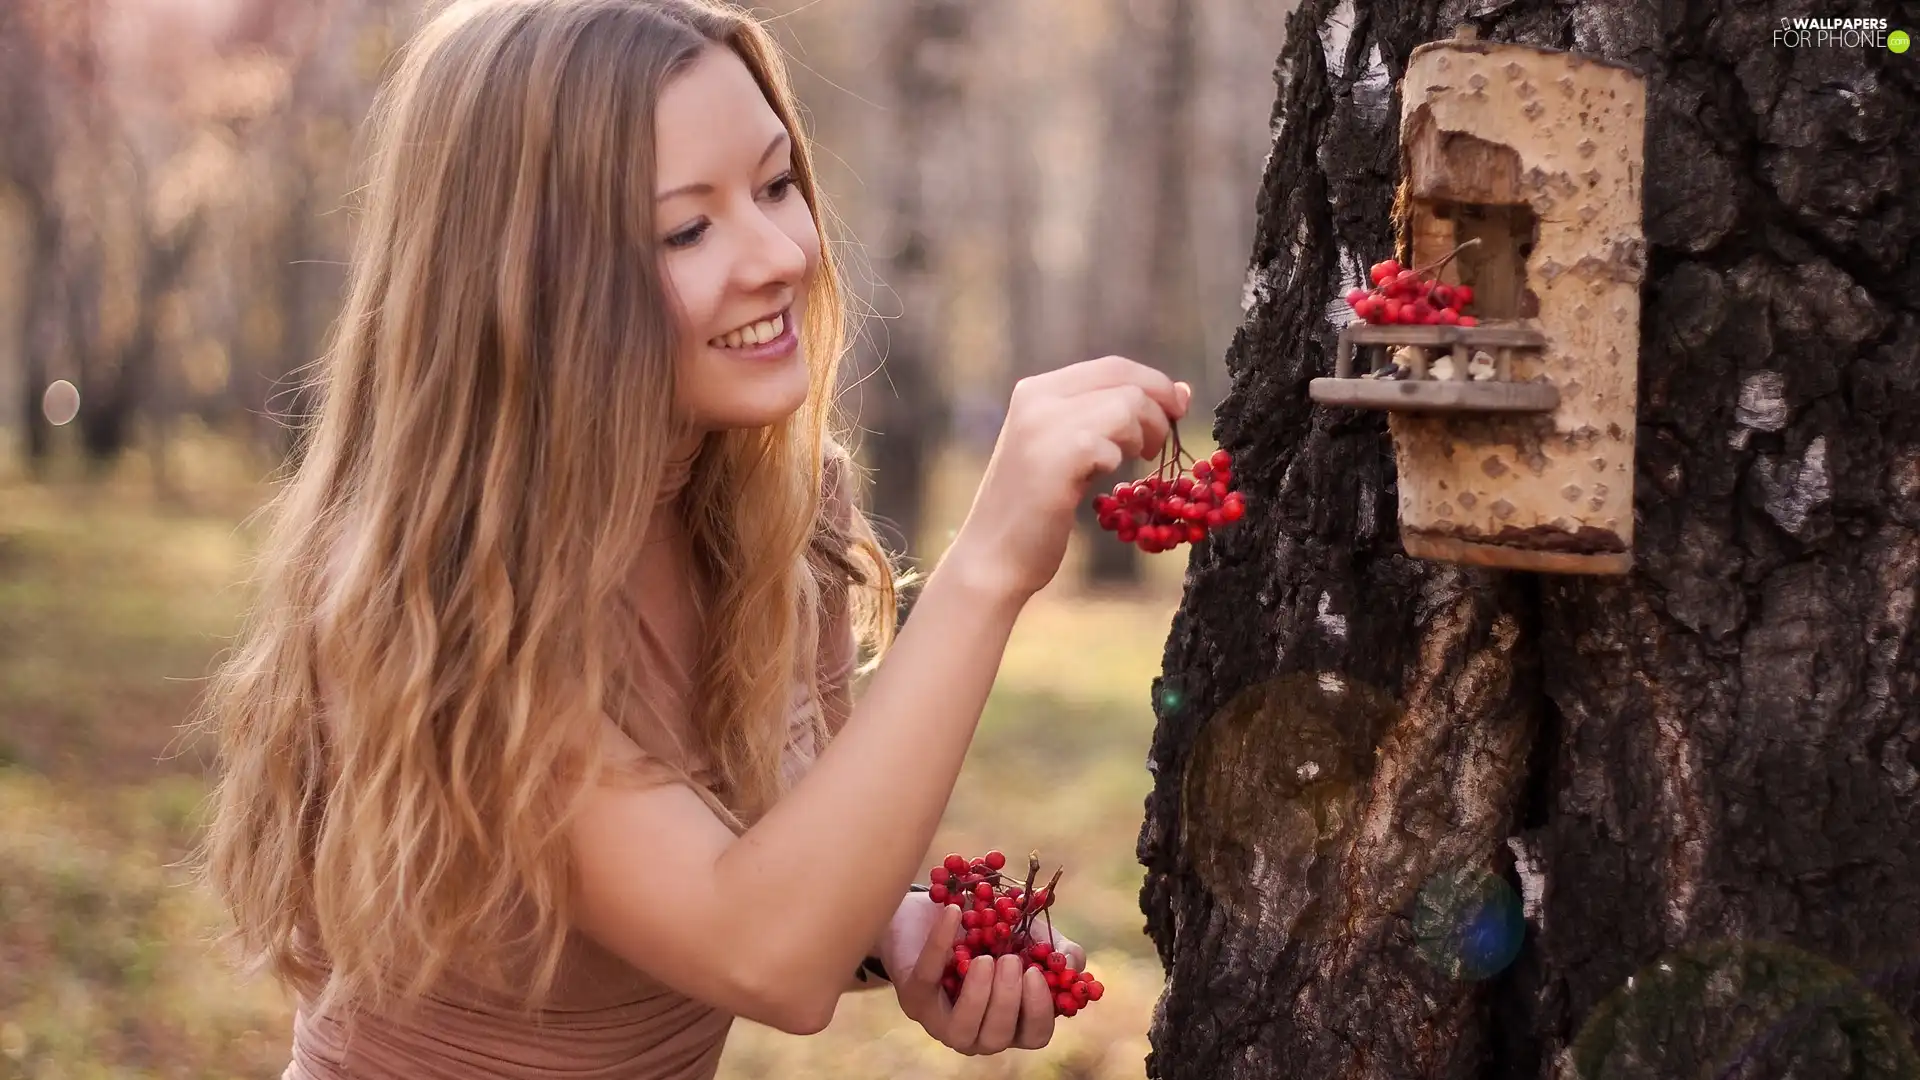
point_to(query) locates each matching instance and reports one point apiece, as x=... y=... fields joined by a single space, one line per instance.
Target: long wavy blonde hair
x=414 y=705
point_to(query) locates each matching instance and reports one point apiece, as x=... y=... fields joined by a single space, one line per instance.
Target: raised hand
x=1062 y=429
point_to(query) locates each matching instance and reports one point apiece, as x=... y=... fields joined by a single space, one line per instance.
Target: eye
x=781 y=186
x=688 y=236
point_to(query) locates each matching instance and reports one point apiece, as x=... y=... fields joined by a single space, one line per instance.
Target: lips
x=757 y=332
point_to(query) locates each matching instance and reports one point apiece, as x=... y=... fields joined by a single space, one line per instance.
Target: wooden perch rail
x=1423 y=393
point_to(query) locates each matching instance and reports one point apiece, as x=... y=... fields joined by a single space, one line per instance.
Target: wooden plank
x=1438 y=336
x=1432 y=395
x=1448 y=549
x=1458 y=167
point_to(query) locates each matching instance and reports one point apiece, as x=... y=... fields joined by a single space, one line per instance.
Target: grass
x=113 y=604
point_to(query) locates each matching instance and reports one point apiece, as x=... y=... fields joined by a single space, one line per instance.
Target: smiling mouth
x=754 y=333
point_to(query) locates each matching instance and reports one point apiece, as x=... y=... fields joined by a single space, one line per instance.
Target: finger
x=1156 y=424
x=1115 y=416
x=1132 y=419
x=1107 y=430
x=1098 y=456
x=1036 y=1011
x=1109 y=371
x=963 y=1023
x=919 y=990
x=1002 y=1019
x=932 y=962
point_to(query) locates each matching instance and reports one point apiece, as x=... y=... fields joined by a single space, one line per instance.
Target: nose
x=769 y=255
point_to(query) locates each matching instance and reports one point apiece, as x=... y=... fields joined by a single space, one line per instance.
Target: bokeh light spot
x=1468 y=923
x=61 y=402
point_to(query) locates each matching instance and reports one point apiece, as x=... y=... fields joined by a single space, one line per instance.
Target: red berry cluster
x=1173 y=507
x=998 y=917
x=1413 y=297
x=1402 y=296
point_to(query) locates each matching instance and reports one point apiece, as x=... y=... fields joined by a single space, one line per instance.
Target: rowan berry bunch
x=998 y=915
x=1412 y=297
x=1179 y=503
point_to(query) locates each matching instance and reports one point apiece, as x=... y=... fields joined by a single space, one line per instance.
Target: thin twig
x=1445 y=259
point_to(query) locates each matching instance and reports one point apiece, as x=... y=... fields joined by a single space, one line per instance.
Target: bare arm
x=769 y=925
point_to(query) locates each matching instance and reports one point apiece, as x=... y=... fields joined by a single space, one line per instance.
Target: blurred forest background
x=1025 y=184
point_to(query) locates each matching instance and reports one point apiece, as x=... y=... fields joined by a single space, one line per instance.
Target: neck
x=676 y=471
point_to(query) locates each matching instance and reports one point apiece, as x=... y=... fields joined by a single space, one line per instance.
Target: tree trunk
x=900 y=401
x=1418 y=820
x=1023 y=281
x=307 y=154
x=27 y=158
x=289 y=400
x=40 y=337
x=1231 y=116
x=1141 y=299
x=120 y=396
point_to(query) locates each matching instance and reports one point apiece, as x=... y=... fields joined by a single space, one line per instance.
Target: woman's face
x=738 y=246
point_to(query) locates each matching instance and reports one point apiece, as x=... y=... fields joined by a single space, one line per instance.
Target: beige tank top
x=605 y=1018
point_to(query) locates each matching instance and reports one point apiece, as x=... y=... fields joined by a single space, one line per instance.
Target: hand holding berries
x=1062 y=428
x=1005 y=917
x=984 y=1003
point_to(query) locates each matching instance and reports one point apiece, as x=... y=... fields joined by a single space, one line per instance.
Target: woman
x=538 y=755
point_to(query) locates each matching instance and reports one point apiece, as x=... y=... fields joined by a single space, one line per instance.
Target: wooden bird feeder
x=1531 y=158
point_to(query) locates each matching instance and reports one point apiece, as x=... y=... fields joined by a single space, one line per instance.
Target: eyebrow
x=707 y=189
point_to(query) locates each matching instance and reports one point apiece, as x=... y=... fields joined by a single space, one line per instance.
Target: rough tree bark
x=1690 y=795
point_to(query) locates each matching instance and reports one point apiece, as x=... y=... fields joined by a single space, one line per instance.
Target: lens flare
x=1468 y=923
x=1739 y=1009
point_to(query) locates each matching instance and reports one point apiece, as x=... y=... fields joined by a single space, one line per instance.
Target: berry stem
x=1026 y=924
x=1434 y=267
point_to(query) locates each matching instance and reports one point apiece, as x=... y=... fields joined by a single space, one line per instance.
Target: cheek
x=697 y=286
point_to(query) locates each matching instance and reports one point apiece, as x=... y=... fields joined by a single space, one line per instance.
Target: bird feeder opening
x=1496 y=266
x=1506 y=351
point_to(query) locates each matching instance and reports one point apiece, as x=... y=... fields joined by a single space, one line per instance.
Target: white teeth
x=763 y=331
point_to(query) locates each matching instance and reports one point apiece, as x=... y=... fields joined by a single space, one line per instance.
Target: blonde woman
x=538 y=757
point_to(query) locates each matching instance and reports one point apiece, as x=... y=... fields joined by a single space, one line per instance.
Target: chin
x=756 y=399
